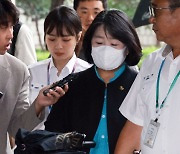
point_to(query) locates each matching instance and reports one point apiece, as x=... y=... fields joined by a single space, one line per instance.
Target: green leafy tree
x=128 y=6
x=55 y=3
x=36 y=10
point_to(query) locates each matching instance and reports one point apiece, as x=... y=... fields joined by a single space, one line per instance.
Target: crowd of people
x=62 y=30
x=124 y=111
x=93 y=99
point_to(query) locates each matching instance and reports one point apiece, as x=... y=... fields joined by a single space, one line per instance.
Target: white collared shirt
x=25 y=47
x=74 y=65
x=139 y=106
x=44 y=72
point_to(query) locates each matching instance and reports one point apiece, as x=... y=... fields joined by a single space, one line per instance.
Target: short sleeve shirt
x=139 y=105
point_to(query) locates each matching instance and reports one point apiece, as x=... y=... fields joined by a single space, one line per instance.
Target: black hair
x=76 y=3
x=174 y=4
x=62 y=17
x=8 y=11
x=117 y=24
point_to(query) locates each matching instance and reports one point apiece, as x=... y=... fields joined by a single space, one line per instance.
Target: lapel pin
x=121 y=88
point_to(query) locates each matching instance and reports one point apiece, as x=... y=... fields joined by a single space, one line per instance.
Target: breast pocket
x=148 y=88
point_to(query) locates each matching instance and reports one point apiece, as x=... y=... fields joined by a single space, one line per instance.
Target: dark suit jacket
x=80 y=109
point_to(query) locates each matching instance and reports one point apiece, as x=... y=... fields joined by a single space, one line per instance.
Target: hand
x=70 y=140
x=51 y=98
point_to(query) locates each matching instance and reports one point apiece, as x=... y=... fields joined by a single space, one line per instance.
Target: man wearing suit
x=15 y=111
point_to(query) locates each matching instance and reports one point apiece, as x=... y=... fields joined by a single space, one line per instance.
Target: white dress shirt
x=44 y=73
x=25 y=47
x=139 y=105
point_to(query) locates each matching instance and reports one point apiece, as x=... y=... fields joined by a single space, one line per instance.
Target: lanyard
x=48 y=71
x=158 y=106
x=48 y=76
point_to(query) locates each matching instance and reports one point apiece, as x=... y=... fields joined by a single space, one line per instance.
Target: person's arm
x=29 y=116
x=129 y=139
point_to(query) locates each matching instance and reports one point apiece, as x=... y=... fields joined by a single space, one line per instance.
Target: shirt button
x=102 y=136
x=103 y=116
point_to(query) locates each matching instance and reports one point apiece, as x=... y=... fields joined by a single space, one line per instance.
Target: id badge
x=151 y=133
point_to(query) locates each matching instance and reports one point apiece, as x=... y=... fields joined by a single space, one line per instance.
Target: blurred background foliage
x=128 y=6
x=38 y=9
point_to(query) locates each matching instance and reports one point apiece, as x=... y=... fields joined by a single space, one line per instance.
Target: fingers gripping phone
x=61 y=83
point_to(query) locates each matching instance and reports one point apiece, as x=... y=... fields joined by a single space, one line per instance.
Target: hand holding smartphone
x=60 y=83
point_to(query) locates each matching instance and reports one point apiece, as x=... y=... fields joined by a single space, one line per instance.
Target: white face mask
x=108 y=58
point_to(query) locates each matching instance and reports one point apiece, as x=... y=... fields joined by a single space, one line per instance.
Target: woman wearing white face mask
x=91 y=104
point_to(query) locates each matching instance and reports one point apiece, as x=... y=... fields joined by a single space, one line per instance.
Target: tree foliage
x=38 y=9
x=55 y=3
x=128 y=6
x=34 y=8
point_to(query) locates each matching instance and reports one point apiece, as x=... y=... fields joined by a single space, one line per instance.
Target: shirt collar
x=117 y=73
x=68 y=67
x=168 y=54
x=167 y=50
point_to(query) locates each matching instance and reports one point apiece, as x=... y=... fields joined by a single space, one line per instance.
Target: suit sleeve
x=24 y=115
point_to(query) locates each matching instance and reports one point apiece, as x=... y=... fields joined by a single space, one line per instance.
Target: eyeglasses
x=153 y=10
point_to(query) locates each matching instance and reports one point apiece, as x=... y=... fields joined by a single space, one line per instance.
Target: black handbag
x=45 y=142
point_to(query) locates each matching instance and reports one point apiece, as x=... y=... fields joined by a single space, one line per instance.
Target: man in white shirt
x=23 y=46
x=152 y=105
